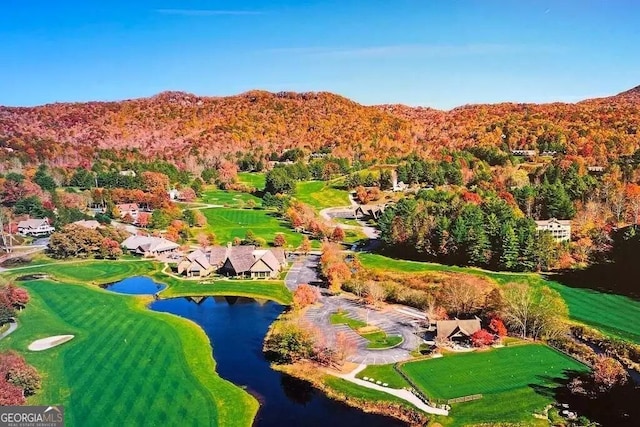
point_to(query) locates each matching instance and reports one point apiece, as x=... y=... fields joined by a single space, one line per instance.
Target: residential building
x=131 y=209
x=148 y=245
x=456 y=330
x=247 y=261
x=560 y=229
x=35 y=227
x=369 y=212
x=128 y=173
x=196 y=264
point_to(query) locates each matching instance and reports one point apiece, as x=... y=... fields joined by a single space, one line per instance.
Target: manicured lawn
x=355 y=391
x=514 y=381
x=127 y=365
x=384 y=373
x=229 y=223
x=235 y=199
x=274 y=290
x=612 y=314
x=341 y=318
x=90 y=271
x=98 y=272
x=254 y=179
x=321 y=194
x=381 y=340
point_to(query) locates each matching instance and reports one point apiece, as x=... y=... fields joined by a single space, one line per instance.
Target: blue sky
x=419 y=52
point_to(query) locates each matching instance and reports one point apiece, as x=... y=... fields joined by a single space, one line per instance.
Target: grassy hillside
x=613 y=314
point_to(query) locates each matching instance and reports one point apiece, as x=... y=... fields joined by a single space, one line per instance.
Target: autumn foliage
x=17 y=379
x=305 y=295
x=482 y=338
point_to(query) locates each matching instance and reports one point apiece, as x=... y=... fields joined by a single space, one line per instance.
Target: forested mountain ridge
x=184 y=128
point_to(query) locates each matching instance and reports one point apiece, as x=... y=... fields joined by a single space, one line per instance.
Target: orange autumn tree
x=305 y=295
x=334 y=266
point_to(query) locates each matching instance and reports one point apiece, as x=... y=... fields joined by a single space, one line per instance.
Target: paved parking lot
x=303 y=270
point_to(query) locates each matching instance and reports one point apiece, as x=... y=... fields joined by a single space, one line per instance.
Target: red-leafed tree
x=608 y=373
x=143 y=219
x=109 y=248
x=279 y=240
x=338 y=234
x=18 y=297
x=482 y=338
x=497 y=327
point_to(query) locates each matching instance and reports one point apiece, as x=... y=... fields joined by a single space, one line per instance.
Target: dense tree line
x=466 y=229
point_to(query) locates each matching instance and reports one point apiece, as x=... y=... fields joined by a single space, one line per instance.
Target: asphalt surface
x=303 y=270
x=390 y=321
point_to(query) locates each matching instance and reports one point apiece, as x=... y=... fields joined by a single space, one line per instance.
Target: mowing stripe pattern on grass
x=127 y=365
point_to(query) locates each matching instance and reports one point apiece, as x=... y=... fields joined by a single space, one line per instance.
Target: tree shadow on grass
x=618 y=407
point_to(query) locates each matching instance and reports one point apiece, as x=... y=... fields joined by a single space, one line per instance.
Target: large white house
x=560 y=229
x=35 y=227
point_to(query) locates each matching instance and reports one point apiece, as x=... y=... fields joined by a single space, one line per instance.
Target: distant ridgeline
x=186 y=129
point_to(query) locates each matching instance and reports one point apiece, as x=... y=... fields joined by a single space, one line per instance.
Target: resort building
x=234 y=261
x=148 y=245
x=560 y=229
x=35 y=227
x=456 y=330
x=196 y=264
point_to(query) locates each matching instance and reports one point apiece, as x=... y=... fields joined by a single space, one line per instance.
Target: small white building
x=560 y=229
x=524 y=153
x=128 y=173
x=173 y=194
x=35 y=227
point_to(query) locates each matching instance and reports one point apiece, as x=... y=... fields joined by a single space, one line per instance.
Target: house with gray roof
x=35 y=227
x=148 y=245
x=196 y=264
x=248 y=261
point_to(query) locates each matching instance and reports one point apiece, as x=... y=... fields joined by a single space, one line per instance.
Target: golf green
x=228 y=223
x=127 y=365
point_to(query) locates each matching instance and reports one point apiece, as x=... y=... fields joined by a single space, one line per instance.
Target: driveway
x=303 y=270
x=390 y=320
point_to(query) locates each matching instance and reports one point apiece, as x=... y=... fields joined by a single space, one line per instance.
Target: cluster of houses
x=234 y=261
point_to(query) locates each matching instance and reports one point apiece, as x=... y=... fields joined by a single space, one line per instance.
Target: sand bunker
x=49 y=342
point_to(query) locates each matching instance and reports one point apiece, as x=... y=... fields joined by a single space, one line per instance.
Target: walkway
x=12 y=327
x=402 y=394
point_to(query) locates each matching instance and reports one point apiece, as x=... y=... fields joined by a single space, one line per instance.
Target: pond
x=236 y=327
x=138 y=285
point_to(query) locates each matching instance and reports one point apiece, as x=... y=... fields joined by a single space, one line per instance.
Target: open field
x=127 y=364
x=254 y=179
x=612 y=314
x=230 y=223
x=524 y=376
x=321 y=194
x=215 y=196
